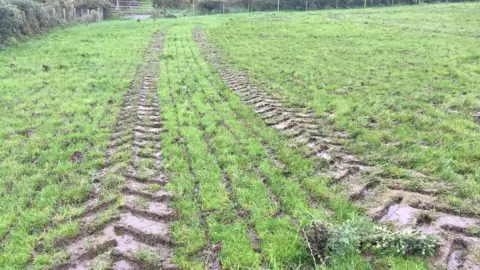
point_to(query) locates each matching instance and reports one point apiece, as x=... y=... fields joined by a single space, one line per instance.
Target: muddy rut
x=130 y=231
x=386 y=200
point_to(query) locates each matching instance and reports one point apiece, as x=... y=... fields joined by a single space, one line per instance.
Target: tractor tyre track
x=135 y=233
x=385 y=203
x=267 y=150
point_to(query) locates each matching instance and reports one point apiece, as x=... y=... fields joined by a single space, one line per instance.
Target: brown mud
x=132 y=231
x=384 y=201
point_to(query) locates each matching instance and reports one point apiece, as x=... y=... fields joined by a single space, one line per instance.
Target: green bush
x=29 y=17
x=210 y=6
x=330 y=243
x=262 y=5
x=24 y=17
x=10 y=21
x=32 y=13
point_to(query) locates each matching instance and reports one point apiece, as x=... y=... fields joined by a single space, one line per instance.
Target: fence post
x=98 y=11
x=193 y=6
x=223 y=7
x=64 y=14
x=53 y=11
x=117 y=7
x=278 y=5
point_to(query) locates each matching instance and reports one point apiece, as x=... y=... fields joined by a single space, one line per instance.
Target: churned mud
x=384 y=201
x=131 y=232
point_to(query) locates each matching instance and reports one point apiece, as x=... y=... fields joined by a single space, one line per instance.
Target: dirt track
x=136 y=235
x=386 y=199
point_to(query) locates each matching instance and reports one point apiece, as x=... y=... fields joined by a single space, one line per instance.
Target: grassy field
x=401 y=83
x=396 y=87
x=60 y=94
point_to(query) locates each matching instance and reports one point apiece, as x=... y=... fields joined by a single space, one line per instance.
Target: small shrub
x=330 y=242
x=12 y=41
x=404 y=242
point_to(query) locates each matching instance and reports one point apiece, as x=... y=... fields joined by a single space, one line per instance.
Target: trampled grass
x=400 y=81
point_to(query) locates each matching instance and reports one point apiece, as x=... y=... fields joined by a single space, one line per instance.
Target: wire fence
x=73 y=13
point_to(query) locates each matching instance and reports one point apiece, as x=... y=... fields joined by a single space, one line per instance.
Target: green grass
x=221 y=136
x=401 y=81
x=47 y=115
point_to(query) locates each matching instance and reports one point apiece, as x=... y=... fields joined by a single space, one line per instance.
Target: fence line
x=200 y=7
x=73 y=14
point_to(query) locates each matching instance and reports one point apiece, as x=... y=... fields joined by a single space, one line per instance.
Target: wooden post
x=193 y=7
x=278 y=5
x=81 y=12
x=98 y=11
x=224 y=7
x=64 y=14
x=117 y=7
x=53 y=9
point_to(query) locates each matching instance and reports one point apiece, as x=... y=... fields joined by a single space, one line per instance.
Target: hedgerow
x=29 y=17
